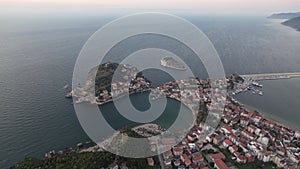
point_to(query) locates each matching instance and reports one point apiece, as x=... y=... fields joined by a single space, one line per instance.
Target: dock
x=271 y=76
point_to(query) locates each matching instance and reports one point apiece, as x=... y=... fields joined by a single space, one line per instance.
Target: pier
x=271 y=76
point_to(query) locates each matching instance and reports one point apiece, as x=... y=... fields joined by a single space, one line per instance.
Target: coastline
x=119 y=97
x=175 y=68
x=267 y=116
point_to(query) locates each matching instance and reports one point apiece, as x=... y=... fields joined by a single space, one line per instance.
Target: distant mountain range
x=294 y=23
x=293 y=19
x=284 y=15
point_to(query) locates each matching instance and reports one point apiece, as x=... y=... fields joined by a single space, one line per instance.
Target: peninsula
x=243 y=139
x=294 y=23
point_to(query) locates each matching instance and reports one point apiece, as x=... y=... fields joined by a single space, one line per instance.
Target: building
x=217 y=156
x=177 y=151
x=278 y=160
x=256 y=119
x=227 y=119
x=187 y=162
x=233 y=149
x=183 y=156
x=226 y=129
x=227 y=143
x=233 y=138
x=263 y=140
x=168 y=154
x=251 y=128
x=265 y=156
x=250 y=157
x=281 y=151
x=193 y=166
x=219 y=164
x=150 y=161
x=197 y=159
x=217 y=140
x=248 y=135
x=176 y=163
x=244 y=121
x=241 y=159
x=168 y=162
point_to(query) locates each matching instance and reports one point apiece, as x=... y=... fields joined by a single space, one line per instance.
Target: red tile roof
x=184 y=156
x=234 y=147
x=150 y=160
x=187 y=161
x=221 y=165
x=197 y=158
x=236 y=153
x=257 y=117
x=227 y=128
x=177 y=149
x=177 y=162
x=241 y=157
x=228 y=142
x=218 y=156
x=193 y=166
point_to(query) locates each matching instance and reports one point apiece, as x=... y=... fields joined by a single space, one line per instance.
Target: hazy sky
x=193 y=6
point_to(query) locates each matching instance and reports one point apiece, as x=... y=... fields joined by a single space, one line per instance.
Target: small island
x=170 y=62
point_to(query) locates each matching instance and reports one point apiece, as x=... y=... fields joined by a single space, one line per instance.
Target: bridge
x=271 y=76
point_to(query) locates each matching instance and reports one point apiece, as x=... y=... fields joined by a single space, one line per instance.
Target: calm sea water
x=37 y=58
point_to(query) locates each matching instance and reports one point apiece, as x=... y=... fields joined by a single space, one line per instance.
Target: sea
x=38 y=54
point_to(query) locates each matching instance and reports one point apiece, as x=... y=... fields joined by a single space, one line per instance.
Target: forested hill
x=294 y=23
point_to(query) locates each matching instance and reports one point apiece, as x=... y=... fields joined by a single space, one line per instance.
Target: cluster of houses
x=191 y=92
x=190 y=153
x=249 y=137
x=245 y=135
x=118 y=89
x=186 y=154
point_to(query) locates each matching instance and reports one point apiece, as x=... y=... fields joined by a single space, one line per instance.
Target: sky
x=237 y=7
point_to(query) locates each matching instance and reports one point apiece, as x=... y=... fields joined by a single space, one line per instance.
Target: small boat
x=257 y=84
x=66 y=86
x=69 y=94
x=79 y=145
x=260 y=93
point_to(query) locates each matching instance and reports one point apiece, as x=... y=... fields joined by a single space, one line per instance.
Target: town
x=243 y=138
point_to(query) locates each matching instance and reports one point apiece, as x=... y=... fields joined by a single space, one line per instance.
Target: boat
x=79 y=145
x=66 y=86
x=257 y=84
x=69 y=94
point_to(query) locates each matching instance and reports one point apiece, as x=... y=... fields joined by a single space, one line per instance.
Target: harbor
x=271 y=76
